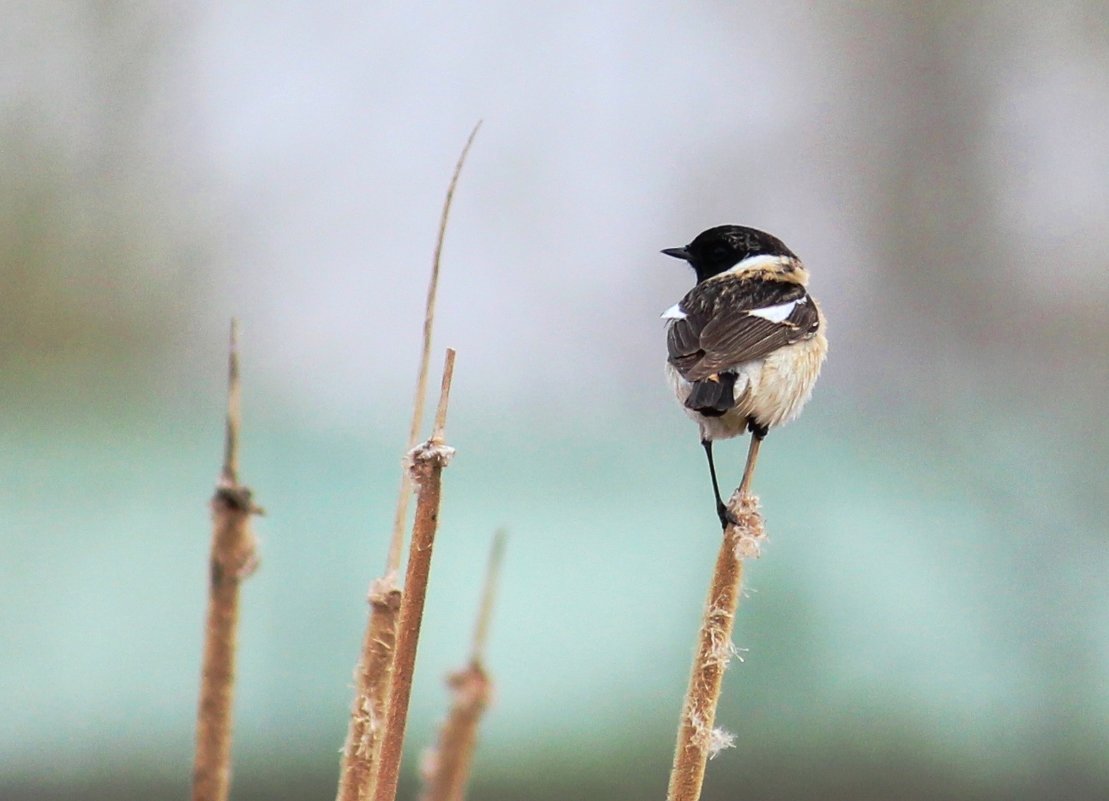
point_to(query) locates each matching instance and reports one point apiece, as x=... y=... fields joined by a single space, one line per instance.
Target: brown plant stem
x=446 y=767
x=396 y=543
x=488 y=596
x=371 y=677
x=698 y=741
x=427 y=463
x=233 y=558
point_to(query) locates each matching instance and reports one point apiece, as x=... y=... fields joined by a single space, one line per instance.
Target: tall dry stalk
x=371 y=679
x=373 y=674
x=233 y=558
x=446 y=767
x=698 y=740
x=396 y=544
x=427 y=463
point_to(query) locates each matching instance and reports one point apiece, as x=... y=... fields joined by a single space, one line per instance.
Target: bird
x=746 y=344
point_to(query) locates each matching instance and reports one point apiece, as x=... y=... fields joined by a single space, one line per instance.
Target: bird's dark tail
x=714 y=396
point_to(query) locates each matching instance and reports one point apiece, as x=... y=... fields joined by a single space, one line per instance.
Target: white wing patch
x=674 y=313
x=776 y=314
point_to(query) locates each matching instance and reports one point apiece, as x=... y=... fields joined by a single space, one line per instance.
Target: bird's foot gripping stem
x=725 y=515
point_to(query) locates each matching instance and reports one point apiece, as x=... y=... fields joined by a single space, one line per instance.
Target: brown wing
x=723 y=327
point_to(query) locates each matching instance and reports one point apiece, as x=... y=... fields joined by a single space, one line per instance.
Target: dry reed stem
x=438 y=431
x=698 y=741
x=446 y=767
x=233 y=558
x=488 y=596
x=371 y=677
x=427 y=462
x=396 y=543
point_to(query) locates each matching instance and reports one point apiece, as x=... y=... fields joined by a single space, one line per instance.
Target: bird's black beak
x=677 y=253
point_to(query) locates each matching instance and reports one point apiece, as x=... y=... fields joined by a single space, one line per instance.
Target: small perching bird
x=746 y=343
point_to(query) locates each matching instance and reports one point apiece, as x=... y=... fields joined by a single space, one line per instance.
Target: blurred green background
x=930 y=618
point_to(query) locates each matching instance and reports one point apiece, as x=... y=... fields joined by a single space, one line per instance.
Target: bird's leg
x=722 y=512
x=758 y=433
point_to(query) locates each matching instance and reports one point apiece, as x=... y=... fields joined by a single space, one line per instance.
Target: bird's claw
x=726 y=517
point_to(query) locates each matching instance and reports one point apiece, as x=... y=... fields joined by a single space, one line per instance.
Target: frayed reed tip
x=425 y=455
x=748 y=533
x=383 y=589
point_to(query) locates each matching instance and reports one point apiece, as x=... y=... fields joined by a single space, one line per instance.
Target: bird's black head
x=723 y=247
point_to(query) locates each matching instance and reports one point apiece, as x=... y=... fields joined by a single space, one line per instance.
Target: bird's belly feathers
x=772 y=390
x=780 y=387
